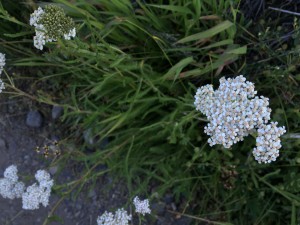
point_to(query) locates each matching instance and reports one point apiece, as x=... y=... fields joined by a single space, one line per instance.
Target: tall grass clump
x=127 y=83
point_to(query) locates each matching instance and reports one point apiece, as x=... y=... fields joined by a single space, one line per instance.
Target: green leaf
x=208 y=33
x=220 y=43
x=238 y=51
x=55 y=218
x=18 y=34
x=177 y=68
x=173 y=8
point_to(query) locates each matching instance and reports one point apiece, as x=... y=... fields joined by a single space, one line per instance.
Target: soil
x=18 y=142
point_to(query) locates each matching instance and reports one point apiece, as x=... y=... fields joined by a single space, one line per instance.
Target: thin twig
x=285 y=11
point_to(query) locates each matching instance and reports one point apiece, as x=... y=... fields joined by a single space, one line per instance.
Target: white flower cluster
x=39 y=40
x=10 y=187
x=141 y=206
x=234 y=111
x=41 y=33
x=119 y=218
x=2 y=64
x=72 y=33
x=268 y=142
x=35 y=194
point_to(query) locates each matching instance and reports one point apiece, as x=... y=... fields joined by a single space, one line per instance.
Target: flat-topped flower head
x=38 y=194
x=2 y=62
x=119 y=218
x=141 y=207
x=268 y=142
x=50 y=24
x=10 y=187
x=234 y=111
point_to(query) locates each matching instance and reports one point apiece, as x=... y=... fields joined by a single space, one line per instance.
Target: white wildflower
x=36 y=16
x=268 y=142
x=141 y=206
x=119 y=218
x=234 y=110
x=11 y=173
x=38 y=194
x=2 y=62
x=48 y=29
x=10 y=187
x=72 y=33
x=2 y=86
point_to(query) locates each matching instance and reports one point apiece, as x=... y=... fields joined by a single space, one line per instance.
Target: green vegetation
x=130 y=76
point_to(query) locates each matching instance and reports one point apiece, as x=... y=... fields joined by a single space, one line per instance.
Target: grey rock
x=3 y=145
x=53 y=170
x=34 y=119
x=56 y=112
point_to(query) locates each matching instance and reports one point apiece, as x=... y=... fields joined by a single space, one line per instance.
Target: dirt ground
x=18 y=142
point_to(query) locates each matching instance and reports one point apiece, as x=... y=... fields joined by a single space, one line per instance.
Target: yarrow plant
x=51 y=24
x=35 y=194
x=10 y=187
x=2 y=64
x=121 y=217
x=234 y=112
x=38 y=194
x=141 y=207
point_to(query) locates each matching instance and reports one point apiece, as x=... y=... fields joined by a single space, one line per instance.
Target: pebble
x=57 y=111
x=53 y=170
x=34 y=119
x=3 y=145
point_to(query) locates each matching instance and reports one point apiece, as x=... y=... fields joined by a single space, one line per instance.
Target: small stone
x=53 y=170
x=3 y=145
x=34 y=119
x=57 y=111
